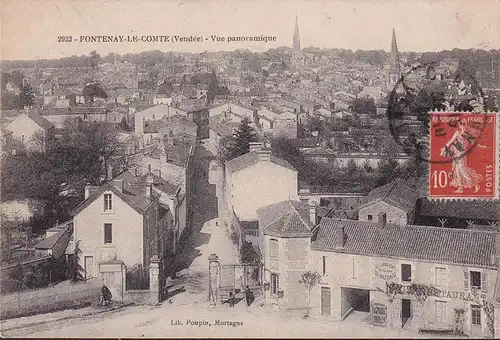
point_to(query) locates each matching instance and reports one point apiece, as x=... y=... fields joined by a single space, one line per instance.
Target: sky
x=30 y=29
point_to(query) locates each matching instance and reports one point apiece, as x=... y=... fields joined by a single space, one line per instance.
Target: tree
x=310 y=280
x=75 y=267
x=92 y=90
x=422 y=292
x=213 y=87
x=124 y=125
x=248 y=255
x=239 y=143
x=26 y=96
x=364 y=106
x=367 y=167
x=95 y=59
x=352 y=168
x=314 y=123
x=389 y=169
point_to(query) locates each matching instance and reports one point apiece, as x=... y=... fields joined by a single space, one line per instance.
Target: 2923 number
x=64 y=39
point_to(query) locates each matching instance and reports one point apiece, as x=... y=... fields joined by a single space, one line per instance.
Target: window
x=108 y=205
x=406 y=272
x=440 y=277
x=476 y=315
x=324 y=265
x=108 y=233
x=440 y=312
x=273 y=248
x=475 y=279
x=275 y=284
x=370 y=217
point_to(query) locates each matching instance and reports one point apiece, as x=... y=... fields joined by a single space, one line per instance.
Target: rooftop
x=133 y=192
x=286 y=219
x=396 y=193
x=445 y=245
x=252 y=158
x=473 y=209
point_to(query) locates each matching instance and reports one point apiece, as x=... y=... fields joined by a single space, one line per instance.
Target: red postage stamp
x=463 y=155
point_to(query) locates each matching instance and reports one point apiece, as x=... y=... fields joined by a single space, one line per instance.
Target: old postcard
x=250 y=169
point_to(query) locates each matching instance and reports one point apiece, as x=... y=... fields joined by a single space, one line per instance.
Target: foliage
x=124 y=125
x=310 y=280
x=248 y=255
x=94 y=59
x=213 y=87
x=26 y=96
x=459 y=320
x=92 y=90
x=76 y=270
x=77 y=158
x=239 y=143
x=364 y=106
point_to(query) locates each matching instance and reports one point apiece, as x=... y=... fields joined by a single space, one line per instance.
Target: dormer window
x=108 y=203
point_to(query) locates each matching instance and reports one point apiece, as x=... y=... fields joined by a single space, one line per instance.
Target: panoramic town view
x=299 y=191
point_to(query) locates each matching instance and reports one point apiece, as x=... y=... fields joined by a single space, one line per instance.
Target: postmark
x=464 y=150
x=417 y=93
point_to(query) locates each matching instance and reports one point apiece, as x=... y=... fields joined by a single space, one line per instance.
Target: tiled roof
x=460 y=246
x=472 y=210
x=73 y=110
x=177 y=153
x=40 y=121
x=161 y=184
x=251 y=158
x=133 y=193
x=396 y=193
x=285 y=219
x=49 y=242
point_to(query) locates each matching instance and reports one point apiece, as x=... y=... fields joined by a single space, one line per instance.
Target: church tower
x=296 y=36
x=394 y=73
x=297 y=57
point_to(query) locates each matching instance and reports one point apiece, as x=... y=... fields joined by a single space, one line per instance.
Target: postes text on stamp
x=464 y=150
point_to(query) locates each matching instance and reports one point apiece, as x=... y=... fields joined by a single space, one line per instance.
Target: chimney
x=110 y=172
x=149 y=168
x=148 y=191
x=312 y=213
x=382 y=219
x=119 y=184
x=255 y=146
x=264 y=155
x=87 y=190
x=339 y=236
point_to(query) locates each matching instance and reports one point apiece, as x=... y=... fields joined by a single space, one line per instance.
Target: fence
x=48 y=299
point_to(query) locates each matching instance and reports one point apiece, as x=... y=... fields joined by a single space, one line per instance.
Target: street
x=188 y=313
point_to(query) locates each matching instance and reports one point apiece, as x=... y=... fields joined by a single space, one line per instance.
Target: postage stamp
x=464 y=150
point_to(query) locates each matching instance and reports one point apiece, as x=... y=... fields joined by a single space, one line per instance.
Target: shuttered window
x=273 y=248
x=108 y=233
x=475 y=279
x=275 y=284
x=440 y=312
x=440 y=277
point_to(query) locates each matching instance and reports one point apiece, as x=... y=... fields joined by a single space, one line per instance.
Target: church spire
x=296 y=36
x=394 y=54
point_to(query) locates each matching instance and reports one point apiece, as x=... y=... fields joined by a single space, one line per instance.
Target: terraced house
x=392 y=275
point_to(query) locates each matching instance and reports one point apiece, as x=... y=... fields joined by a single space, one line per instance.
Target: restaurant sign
x=385 y=271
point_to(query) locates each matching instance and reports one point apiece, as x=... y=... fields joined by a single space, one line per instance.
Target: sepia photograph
x=250 y=169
